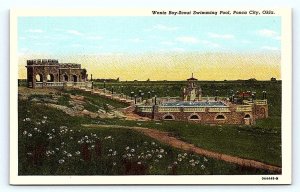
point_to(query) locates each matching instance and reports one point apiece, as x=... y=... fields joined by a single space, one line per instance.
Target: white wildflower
x=61 y=161
x=77 y=152
x=43 y=121
x=127 y=148
x=45 y=117
x=202 y=167
x=132 y=150
x=29 y=135
x=69 y=155
x=139 y=162
x=159 y=156
x=114 y=163
x=24 y=132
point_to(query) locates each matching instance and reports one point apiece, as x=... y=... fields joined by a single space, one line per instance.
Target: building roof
x=192 y=78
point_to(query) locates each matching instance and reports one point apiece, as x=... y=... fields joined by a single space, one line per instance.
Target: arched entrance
x=75 y=78
x=66 y=78
x=39 y=78
x=169 y=117
x=220 y=117
x=194 y=117
x=50 y=78
x=247 y=119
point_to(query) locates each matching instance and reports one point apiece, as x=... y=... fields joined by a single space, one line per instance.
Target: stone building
x=192 y=92
x=193 y=108
x=49 y=72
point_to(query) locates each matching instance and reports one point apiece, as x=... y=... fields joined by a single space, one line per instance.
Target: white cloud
x=246 y=41
x=164 y=28
x=220 y=36
x=187 y=39
x=169 y=43
x=270 y=48
x=136 y=40
x=35 y=31
x=269 y=33
x=178 y=49
x=96 y=37
x=74 y=32
x=209 y=43
x=76 y=45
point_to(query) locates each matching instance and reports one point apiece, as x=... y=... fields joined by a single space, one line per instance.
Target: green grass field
x=51 y=145
x=260 y=142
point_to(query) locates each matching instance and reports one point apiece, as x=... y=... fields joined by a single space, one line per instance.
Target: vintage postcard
x=150 y=96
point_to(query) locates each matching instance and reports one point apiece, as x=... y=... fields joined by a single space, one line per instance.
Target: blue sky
x=105 y=35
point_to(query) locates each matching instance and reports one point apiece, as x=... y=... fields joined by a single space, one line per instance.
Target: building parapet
x=145 y=109
x=86 y=84
x=69 y=65
x=194 y=109
x=244 y=108
x=219 y=109
x=42 y=62
x=261 y=102
x=168 y=109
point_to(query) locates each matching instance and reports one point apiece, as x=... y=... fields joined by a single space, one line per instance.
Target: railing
x=261 y=102
x=194 y=109
x=145 y=109
x=168 y=109
x=62 y=84
x=219 y=109
x=243 y=108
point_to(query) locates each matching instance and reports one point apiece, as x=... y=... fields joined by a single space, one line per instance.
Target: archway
x=220 y=117
x=247 y=119
x=50 y=78
x=74 y=78
x=168 y=117
x=66 y=78
x=247 y=116
x=39 y=78
x=194 y=117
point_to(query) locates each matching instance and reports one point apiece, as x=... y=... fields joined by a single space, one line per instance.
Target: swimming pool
x=194 y=104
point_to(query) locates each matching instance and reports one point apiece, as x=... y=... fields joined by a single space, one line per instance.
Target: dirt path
x=165 y=137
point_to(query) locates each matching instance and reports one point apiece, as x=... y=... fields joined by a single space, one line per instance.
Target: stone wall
x=206 y=117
